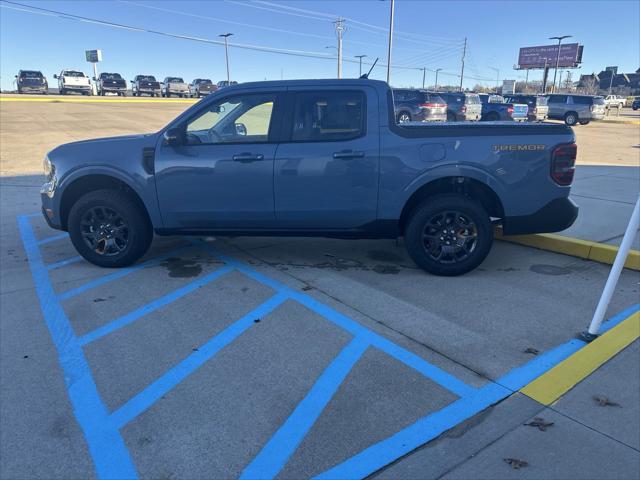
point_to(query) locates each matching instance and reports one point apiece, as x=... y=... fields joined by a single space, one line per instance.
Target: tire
x=403 y=117
x=63 y=91
x=451 y=117
x=117 y=252
x=492 y=117
x=571 y=118
x=584 y=122
x=456 y=258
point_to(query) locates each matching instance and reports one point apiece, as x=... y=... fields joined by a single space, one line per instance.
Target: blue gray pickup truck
x=312 y=158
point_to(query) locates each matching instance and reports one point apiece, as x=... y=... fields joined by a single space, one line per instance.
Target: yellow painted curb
x=95 y=100
x=549 y=387
x=598 y=252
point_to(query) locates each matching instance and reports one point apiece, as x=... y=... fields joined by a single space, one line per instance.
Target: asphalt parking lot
x=267 y=357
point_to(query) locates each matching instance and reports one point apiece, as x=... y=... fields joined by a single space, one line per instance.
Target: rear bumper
x=555 y=216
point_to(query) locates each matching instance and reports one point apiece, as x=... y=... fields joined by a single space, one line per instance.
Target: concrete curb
x=622 y=121
x=598 y=252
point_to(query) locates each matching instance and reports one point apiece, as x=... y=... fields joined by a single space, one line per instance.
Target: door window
x=327 y=116
x=558 y=99
x=237 y=119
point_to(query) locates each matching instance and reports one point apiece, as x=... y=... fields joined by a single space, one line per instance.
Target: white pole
x=616 y=269
x=390 y=42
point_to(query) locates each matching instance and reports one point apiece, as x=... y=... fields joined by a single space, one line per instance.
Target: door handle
x=348 y=154
x=248 y=157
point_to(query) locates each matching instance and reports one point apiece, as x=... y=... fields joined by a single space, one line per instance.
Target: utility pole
x=560 y=81
x=464 y=53
x=436 y=86
x=226 y=54
x=360 y=57
x=390 y=42
x=555 y=72
x=424 y=74
x=339 y=32
x=545 y=75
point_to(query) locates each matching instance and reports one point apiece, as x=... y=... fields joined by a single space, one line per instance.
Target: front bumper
x=34 y=88
x=555 y=216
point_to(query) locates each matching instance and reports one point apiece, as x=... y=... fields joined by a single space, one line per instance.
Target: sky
x=428 y=34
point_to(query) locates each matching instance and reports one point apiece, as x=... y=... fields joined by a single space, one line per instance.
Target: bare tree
x=590 y=85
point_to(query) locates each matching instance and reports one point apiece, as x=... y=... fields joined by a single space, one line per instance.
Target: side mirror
x=55 y=75
x=174 y=137
x=241 y=129
x=16 y=76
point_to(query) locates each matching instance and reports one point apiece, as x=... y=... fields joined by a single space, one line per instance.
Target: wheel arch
x=463 y=185
x=96 y=181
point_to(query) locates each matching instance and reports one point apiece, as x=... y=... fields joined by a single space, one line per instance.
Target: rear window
x=434 y=98
x=472 y=99
x=111 y=76
x=204 y=80
x=175 y=80
x=29 y=74
x=542 y=101
x=147 y=78
x=73 y=73
x=328 y=116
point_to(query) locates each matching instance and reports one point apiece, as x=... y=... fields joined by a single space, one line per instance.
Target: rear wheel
x=571 y=118
x=451 y=117
x=584 y=122
x=109 y=229
x=448 y=235
x=404 y=117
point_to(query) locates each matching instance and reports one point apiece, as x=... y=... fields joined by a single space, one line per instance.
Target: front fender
x=143 y=186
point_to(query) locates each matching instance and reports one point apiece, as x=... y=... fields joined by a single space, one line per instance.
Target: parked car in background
x=201 y=87
x=174 y=86
x=538 y=107
x=575 y=109
x=338 y=166
x=73 y=81
x=418 y=106
x=145 y=84
x=636 y=103
x=615 y=101
x=31 y=81
x=111 y=83
x=495 y=108
x=225 y=83
x=462 y=106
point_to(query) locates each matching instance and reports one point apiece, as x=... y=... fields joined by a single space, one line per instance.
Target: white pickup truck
x=615 y=101
x=73 y=81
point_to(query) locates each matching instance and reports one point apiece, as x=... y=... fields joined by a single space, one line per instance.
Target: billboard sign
x=535 y=57
x=93 y=56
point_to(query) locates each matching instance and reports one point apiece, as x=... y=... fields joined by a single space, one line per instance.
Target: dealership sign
x=93 y=56
x=538 y=57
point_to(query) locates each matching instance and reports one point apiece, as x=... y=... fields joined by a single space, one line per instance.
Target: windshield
x=111 y=76
x=73 y=73
x=175 y=80
x=30 y=75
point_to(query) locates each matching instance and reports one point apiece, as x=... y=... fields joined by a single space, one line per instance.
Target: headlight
x=48 y=168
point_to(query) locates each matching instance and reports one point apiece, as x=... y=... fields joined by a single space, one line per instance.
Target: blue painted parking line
x=186 y=367
x=102 y=430
x=154 y=305
x=108 y=451
x=283 y=443
x=63 y=263
x=123 y=272
x=53 y=238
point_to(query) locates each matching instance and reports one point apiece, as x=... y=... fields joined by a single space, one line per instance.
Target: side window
x=558 y=99
x=338 y=115
x=237 y=119
x=582 y=100
x=399 y=96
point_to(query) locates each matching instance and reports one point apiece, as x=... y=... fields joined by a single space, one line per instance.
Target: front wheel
x=584 y=122
x=571 y=119
x=448 y=235
x=109 y=229
x=404 y=117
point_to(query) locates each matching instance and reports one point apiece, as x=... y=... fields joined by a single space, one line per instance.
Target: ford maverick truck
x=313 y=158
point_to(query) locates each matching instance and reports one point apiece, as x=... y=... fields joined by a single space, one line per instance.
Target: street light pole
x=555 y=72
x=424 y=74
x=360 y=57
x=436 y=86
x=390 y=41
x=226 y=54
x=339 y=32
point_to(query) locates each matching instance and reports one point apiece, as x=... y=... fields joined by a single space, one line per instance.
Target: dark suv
x=462 y=106
x=31 y=81
x=418 y=106
x=538 y=105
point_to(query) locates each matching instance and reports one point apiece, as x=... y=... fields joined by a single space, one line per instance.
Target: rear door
x=326 y=170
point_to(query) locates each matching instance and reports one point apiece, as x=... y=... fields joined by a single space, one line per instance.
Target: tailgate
x=520 y=110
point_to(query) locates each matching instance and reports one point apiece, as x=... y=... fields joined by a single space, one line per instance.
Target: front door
x=326 y=172
x=220 y=176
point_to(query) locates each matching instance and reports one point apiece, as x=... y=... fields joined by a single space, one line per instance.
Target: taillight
x=591 y=108
x=535 y=111
x=463 y=109
x=563 y=160
x=509 y=110
x=428 y=105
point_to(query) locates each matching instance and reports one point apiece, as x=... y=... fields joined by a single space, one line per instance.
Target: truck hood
x=111 y=151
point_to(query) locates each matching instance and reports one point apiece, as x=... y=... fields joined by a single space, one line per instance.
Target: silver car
x=575 y=109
